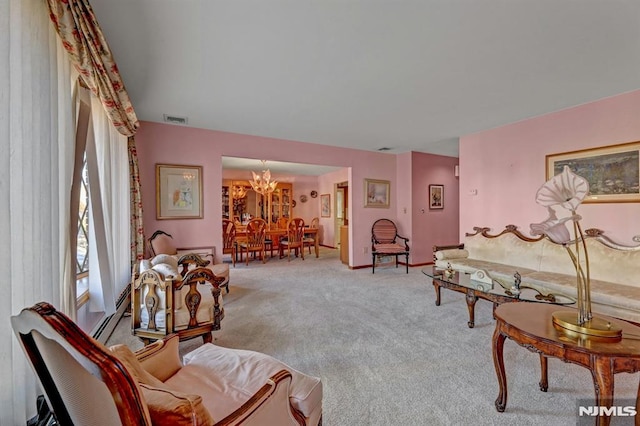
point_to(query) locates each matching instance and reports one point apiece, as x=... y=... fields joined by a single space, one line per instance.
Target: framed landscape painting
x=613 y=172
x=178 y=192
x=376 y=193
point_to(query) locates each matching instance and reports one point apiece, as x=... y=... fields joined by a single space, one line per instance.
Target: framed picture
x=178 y=192
x=613 y=172
x=376 y=193
x=436 y=197
x=325 y=205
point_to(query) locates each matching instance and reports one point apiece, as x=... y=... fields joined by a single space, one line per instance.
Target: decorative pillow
x=168 y=407
x=131 y=363
x=165 y=258
x=144 y=265
x=166 y=270
x=452 y=254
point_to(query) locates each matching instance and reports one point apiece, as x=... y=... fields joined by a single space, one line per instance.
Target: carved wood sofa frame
x=616 y=294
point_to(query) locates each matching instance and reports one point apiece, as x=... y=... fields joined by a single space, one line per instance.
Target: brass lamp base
x=596 y=326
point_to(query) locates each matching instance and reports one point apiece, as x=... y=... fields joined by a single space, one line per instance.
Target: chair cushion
x=220 y=270
x=233 y=376
x=169 y=407
x=166 y=406
x=389 y=248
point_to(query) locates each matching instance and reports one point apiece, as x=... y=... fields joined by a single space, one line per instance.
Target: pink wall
x=431 y=227
x=506 y=166
x=170 y=144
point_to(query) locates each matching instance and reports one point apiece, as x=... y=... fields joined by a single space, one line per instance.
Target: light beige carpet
x=385 y=353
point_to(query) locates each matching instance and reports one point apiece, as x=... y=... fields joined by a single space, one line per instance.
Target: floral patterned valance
x=89 y=52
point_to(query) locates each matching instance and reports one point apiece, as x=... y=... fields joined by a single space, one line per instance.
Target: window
x=82 y=238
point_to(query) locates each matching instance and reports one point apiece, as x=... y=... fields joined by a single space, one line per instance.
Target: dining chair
x=254 y=242
x=310 y=239
x=229 y=239
x=294 y=238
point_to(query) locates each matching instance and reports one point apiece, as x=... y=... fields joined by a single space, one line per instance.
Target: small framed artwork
x=436 y=197
x=613 y=172
x=325 y=205
x=178 y=192
x=376 y=193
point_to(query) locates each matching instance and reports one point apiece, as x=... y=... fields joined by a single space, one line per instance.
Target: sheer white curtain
x=36 y=165
x=108 y=165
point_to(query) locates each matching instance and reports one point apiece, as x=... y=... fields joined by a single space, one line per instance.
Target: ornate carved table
x=464 y=283
x=530 y=326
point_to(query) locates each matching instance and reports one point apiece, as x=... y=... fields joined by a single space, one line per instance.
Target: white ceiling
x=404 y=74
x=277 y=168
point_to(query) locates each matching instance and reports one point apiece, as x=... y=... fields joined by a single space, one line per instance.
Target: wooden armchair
x=294 y=238
x=229 y=244
x=86 y=383
x=254 y=242
x=385 y=241
x=310 y=239
x=164 y=301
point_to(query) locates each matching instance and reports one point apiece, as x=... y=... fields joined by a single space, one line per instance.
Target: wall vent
x=174 y=119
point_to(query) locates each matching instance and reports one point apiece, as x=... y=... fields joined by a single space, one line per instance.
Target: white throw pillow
x=452 y=254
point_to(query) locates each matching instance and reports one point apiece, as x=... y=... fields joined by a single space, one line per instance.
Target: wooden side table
x=530 y=326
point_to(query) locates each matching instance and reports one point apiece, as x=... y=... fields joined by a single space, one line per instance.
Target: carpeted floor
x=385 y=353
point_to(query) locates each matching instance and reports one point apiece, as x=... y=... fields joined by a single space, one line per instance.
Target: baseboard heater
x=103 y=330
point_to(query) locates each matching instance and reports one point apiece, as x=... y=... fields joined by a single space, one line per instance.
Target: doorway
x=341 y=223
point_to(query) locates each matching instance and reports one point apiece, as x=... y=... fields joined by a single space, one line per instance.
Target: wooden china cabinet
x=255 y=204
x=281 y=205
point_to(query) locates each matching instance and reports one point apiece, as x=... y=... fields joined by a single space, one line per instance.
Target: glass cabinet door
x=286 y=203
x=225 y=202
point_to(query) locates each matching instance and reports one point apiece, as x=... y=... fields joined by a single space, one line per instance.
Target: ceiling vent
x=384 y=148
x=174 y=119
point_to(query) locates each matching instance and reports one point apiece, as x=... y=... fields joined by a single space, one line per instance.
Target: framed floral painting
x=325 y=205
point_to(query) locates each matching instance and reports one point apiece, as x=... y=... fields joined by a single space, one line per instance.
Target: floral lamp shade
x=567 y=191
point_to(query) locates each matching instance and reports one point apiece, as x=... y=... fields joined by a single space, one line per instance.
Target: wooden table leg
x=498 y=361
x=604 y=385
x=317 y=245
x=544 y=375
x=471 y=305
x=436 y=286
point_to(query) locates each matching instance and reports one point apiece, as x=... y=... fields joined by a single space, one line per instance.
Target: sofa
x=547 y=267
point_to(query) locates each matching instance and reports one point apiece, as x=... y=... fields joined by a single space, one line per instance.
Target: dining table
x=274 y=235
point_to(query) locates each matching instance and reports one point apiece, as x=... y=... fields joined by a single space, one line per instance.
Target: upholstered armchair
x=165 y=300
x=86 y=383
x=385 y=241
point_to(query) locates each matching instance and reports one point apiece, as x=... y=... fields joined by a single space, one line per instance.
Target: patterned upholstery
x=385 y=241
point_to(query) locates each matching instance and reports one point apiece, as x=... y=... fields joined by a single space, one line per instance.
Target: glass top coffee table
x=481 y=286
